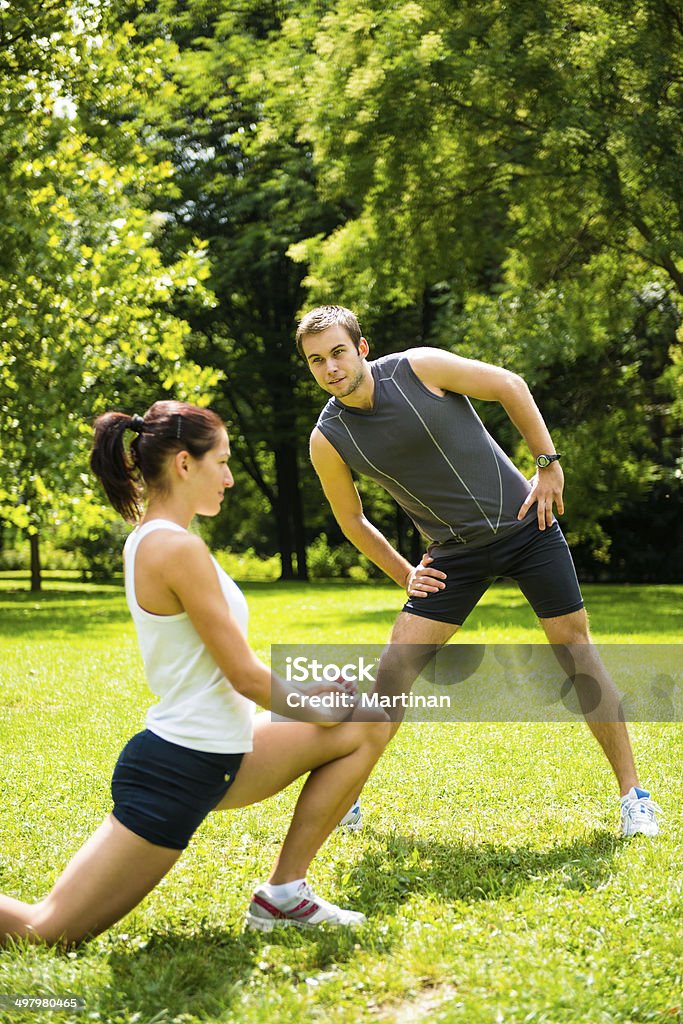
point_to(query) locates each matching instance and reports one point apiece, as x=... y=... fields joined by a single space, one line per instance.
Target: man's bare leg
x=606 y=724
x=413 y=643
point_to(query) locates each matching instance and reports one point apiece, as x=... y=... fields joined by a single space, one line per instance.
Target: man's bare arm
x=342 y=495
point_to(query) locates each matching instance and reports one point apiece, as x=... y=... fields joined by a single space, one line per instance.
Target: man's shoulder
x=329 y=415
x=386 y=363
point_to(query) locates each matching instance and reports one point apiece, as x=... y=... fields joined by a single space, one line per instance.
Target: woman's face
x=210 y=476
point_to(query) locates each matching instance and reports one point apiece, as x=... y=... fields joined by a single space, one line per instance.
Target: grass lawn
x=491 y=870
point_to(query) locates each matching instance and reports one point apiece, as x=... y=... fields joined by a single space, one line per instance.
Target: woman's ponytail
x=115 y=466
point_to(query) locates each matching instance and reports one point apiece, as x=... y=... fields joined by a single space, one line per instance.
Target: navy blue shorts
x=539 y=561
x=163 y=791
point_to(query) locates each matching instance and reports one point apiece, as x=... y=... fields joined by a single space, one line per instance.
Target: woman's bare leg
x=339 y=760
x=109 y=875
x=116 y=869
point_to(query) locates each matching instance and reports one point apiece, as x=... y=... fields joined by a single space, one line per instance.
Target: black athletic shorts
x=163 y=791
x=539 y=561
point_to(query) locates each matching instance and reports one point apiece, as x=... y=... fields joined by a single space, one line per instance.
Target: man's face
x=334 y=362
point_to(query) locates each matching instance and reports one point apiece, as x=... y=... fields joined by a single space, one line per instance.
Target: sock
x=283 y=891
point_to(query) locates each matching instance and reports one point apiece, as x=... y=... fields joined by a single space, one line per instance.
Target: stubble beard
x=353 y=384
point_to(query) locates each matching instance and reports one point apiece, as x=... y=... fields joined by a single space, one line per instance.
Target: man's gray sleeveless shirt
x=432 y=454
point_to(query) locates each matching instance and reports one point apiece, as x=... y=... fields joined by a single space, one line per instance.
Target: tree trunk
x=35 y=563
x=286 y=485
x=289 y=514
x=298 y=524
x=284 y=539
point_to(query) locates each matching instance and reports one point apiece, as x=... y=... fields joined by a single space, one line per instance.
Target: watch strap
x=544 y=460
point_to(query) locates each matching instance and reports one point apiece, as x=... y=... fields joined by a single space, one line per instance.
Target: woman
x=202 y=749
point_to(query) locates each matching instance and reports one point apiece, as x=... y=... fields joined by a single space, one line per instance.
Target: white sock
x=285 y=890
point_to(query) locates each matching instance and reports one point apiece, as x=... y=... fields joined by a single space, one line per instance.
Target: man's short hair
x=322 y=317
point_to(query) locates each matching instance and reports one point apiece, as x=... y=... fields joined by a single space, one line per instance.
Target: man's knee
x=374 y=728
x=572 y=637
x=568 y=629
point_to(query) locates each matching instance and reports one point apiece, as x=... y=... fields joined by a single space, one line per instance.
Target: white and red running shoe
x=303 y=910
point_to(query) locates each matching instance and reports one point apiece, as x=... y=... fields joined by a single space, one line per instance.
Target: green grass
x=491 y=870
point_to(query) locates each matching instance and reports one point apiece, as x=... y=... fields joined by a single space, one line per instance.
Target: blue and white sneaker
x=639 y=813
x=353 y=819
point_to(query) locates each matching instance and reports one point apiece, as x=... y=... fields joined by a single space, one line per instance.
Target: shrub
x=325 y=562
x=57 y=559
x=100 y=552
x=247 y=565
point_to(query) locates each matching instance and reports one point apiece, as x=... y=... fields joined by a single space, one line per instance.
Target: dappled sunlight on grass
x=327 y=612
x=490 y=862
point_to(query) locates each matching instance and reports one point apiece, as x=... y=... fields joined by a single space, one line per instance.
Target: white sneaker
x=353 y=819
x=303 y=910
x=639 y=813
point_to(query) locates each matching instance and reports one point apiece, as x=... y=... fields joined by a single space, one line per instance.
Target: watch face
x=542 y=461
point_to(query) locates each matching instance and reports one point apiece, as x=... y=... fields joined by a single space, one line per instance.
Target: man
x=405 y=420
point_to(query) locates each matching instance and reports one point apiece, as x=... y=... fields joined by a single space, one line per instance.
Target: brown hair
x=322 y=317
x=167 y=427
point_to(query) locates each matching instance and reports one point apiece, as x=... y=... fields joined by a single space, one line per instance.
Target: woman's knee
x=45 y=925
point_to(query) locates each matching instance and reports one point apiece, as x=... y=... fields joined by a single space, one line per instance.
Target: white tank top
x=198 y=707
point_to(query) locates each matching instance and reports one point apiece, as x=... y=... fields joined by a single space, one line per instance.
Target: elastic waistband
x=452 y=550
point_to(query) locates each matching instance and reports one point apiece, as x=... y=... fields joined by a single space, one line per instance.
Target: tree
x=250 y=194
x=547 y=128
x=83 y=288
x=517 y=166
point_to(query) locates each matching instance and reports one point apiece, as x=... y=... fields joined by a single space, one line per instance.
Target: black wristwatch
x=544 y=460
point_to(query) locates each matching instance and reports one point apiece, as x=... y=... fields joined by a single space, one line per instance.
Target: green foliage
x=83 y=288
x=597 y=358
x=250 y=192
x=55 y=558
x=179 y=179
x=325 y=562
x=100 y=550
x=248 y=565
x=511 y=173
x=468 y=138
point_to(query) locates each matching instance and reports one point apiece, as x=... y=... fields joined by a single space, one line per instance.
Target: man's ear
x=363 y=348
